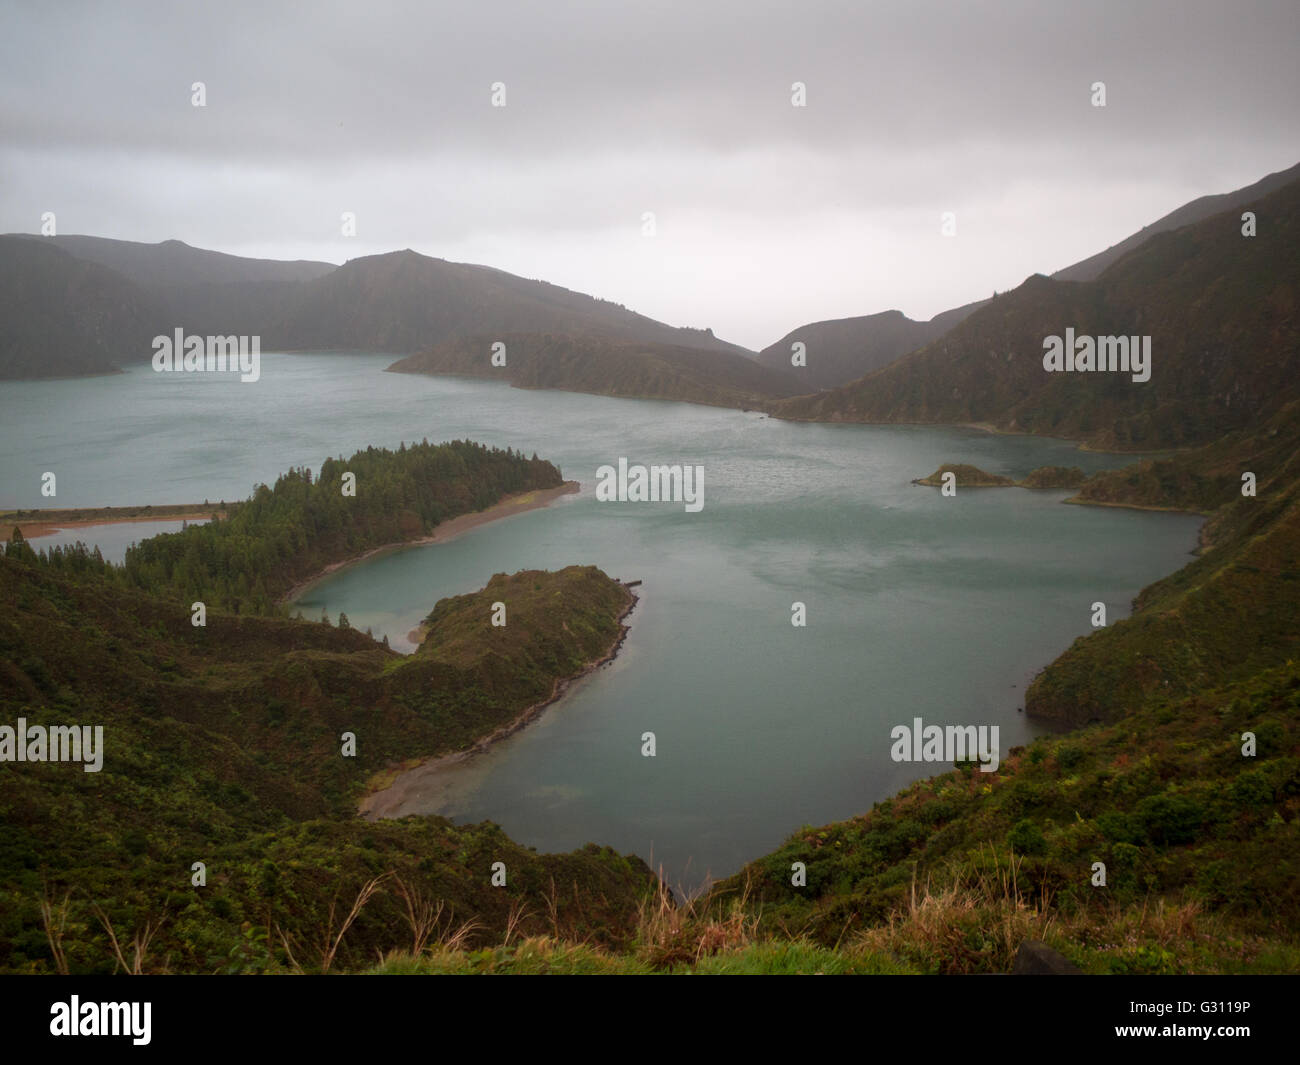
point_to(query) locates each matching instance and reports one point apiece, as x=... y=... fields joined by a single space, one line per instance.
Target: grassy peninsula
x=245 y=744
x=967 y=476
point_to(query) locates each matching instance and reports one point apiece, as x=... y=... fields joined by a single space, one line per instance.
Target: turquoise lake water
x=917 y=605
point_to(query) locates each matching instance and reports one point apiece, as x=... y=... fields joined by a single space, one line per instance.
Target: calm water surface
x=917 y=605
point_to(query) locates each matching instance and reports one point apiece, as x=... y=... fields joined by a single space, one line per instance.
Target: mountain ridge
x=1220 y=309
x=399 y=302
x=843 y=349
x=604 y=366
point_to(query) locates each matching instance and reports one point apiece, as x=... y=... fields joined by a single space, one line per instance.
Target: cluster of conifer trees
x=288 y=532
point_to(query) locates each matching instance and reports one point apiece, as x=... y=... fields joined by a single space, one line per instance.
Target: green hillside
x=1200 y=846
x=224 y=744
x=1221 y=311
x=1229 y=614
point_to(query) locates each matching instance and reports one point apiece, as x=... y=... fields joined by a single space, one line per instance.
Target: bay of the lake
x=917 y=605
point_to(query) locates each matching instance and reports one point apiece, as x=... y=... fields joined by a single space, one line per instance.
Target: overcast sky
x=767 y=215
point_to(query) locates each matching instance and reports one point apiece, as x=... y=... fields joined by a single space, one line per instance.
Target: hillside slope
x=845 y=349
x=609 y=367
x=101 y=303
x=1199 y=846
x=1221 y=311
x=62 y=317
x=404 y=302
x=1197 y=210
x=227 y=744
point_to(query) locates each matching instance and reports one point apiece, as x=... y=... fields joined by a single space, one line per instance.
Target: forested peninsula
x=234 y=752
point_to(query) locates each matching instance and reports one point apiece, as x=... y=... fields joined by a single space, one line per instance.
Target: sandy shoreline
x=48 y=523
x=412 y=778
x=447 y=530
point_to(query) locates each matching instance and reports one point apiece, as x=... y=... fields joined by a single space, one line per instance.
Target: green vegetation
x=1220 y=310
x=1230 y=614
x=225 y=749
x=224 y=745
x=670 y=940
x=952 y=874
x=965 y=477
x=285 y=534
x=1206 y=478
x=973 y=477
x=225 y=740
x=844 y=349
x=1053 y=477
x=1199 y=841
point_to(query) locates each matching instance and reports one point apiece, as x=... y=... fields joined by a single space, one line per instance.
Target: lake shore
x=392 y=790
x=37 y=523
x=518 y=503
x=1080 y=501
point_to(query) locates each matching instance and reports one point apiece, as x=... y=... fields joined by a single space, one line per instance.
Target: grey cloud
x=681 y=108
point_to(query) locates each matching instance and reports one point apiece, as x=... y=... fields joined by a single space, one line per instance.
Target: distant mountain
x=842 y=349
x=604 y=366
x=199 y=290
x=1221 y=311
x=175 y=263
x=845 y=349
x=404 y=302
x=401 y=302
x=63 y=317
